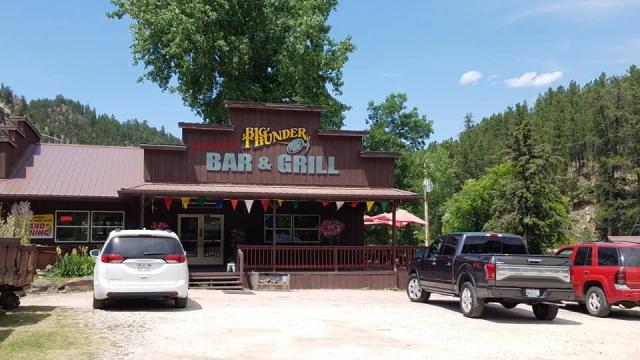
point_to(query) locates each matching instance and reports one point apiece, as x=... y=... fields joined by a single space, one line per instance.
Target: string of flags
x=186 y=202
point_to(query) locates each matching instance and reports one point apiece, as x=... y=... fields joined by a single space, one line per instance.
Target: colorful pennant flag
x=167 y=202
x=295 y=204
x=280 y=202
x=185 y=202
x=370 y=205
x=248 y=204
x=201 y=201
x=234 y=203
x=218 y=203
x=384 y=204
x=339 y=204
x=265 y=204
x=354 y=204
x=324 y=203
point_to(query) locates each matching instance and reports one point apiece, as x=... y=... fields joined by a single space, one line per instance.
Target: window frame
x=291 y=228
x=88 y=226
x=615 y=249
x=294 y=228
x=588 y=256
x=102 y=227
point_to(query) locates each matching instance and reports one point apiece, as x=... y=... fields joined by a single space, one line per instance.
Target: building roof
x=69 y=170
x=289 y=192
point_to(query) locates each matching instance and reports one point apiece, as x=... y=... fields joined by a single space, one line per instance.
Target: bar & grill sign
x=294 y=161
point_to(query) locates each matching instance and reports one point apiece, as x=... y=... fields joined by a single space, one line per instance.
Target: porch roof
x=280 y=192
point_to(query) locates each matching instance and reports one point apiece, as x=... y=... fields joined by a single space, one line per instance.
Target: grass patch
x=46 y=332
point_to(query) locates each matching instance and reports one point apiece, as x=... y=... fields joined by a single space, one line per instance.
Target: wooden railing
x=310 y=258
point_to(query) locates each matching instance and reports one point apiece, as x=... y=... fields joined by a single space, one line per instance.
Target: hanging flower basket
x=331 y=229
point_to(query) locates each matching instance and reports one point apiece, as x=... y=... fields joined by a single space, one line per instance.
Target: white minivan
x=142 y=264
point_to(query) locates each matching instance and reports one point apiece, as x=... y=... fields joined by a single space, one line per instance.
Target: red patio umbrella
x=403 y=218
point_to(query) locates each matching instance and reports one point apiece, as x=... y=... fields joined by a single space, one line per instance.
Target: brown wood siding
x=374 y=280
x=166 y=166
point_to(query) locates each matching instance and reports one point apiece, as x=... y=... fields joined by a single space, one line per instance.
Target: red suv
x=605 y=274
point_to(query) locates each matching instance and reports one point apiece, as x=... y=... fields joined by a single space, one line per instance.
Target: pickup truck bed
x=474 y=267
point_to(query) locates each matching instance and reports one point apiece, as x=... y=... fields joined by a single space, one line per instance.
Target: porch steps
x=215 y=280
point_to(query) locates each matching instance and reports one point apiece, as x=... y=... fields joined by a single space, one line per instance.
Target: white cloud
x=573 y=8
x=533 y=79
x=470 y=77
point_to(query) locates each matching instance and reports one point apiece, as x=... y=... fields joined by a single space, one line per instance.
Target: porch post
x=141 y=211
x=273 y=235
x=393 y=233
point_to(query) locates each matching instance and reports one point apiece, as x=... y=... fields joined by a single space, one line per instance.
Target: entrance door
x=202 y=237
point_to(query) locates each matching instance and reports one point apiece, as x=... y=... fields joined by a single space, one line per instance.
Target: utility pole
x=428 y=186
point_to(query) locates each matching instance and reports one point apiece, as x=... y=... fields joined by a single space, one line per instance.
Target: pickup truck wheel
x=596 y=301
x=415 y=292
x=545 y=311
x=470 y=305
x=508 y=304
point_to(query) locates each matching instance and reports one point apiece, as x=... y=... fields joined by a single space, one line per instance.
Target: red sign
x=226 y=144
x=65 y=219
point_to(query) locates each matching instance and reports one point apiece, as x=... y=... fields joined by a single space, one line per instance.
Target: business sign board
x=41 y=226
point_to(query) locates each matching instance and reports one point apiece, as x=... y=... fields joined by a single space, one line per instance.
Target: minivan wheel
x=545 y=311
x=181 y=303
x=596 y=302
x=98 y=304
x=470 y=305
x=415 y=292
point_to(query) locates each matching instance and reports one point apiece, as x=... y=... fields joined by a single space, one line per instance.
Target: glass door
x=202 y=237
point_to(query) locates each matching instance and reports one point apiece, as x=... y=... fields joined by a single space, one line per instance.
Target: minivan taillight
x=175 y=259
x=112 y=258
x=621 y=277
x=489 y=271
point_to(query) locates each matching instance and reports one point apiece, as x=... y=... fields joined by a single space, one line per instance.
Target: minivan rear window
x=493 y=245
x=630 y=256
x=143 y=247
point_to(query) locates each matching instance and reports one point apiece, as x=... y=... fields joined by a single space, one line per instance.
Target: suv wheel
x=470 y=305
x=414 y=291
x=545 y=311
x=596 y=302
x=181 y=303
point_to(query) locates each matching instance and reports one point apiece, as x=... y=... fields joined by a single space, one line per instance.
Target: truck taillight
x=175 y=259
x=621 y=277
x=489 y=271
x=112 y=258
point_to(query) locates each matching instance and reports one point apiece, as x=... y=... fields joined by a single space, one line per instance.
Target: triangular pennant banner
x=167 y=202
x=234 y=203
x=248 y=204
x=370 y=205
x=354 y=204
x=185 y=202
x=384 y=205
x=201 y=201
x=265 y=204
x=324 y=203
x=339 y=204
x=295 y=204
x=218 y=203
x=280 y=202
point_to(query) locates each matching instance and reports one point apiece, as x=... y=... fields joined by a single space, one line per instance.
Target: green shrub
x=74 y=263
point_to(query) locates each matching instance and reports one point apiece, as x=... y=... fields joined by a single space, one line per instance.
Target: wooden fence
x=324 y=258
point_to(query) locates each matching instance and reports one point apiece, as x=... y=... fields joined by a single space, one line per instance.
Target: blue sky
x=450 y=57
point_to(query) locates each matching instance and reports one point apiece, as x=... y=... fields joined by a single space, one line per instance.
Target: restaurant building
x=220 y=190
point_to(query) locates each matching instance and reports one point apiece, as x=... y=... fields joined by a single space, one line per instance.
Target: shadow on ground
x=149 y=305
x=617 y=312
x=498 y=314
x=23 y=316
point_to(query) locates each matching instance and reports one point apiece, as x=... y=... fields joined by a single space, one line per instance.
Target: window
x=630 y=256
x=607 y=256
x=435 y=249
x=144 y=247
x=493 y=245
x=450 y=246
x=103 y=222
x=72 y=226
x=292 y=229
x=583 y=257
x=565 y=252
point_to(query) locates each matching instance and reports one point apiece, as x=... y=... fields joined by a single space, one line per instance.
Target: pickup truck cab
x=605 y=274
x=490 y=267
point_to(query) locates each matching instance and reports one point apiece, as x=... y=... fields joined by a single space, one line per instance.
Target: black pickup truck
x=490 y=267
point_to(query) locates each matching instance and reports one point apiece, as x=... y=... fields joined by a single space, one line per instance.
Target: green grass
x=46 y=332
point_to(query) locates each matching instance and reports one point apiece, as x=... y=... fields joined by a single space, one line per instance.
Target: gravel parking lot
x=344 y=324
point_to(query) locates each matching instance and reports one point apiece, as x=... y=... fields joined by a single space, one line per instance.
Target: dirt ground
x=344 y=324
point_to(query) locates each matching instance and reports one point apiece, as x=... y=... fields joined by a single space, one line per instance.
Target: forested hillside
x=63 y=120
x=584 y=141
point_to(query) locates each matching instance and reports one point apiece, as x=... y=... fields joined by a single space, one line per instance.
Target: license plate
x=532 y=292
x=144 y=267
